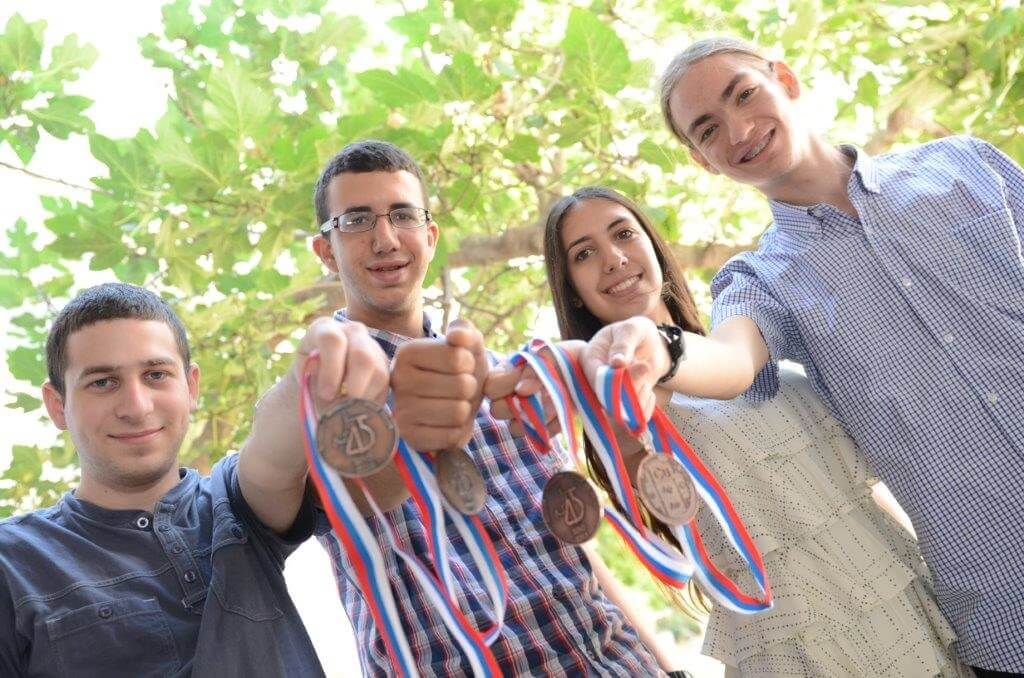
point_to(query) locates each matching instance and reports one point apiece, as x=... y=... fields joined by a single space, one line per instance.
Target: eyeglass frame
x=335 y=221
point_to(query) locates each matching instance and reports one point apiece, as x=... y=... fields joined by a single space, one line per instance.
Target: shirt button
x=164 y=528
x=142 y=523
x=236 y=532
x=190 y=576
x=948 y=338
x=992 y=398
x=105 y=611
x=176 y=548
x=906 y=282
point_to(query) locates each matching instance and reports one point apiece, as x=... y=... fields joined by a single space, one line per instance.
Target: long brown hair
x=575 y=321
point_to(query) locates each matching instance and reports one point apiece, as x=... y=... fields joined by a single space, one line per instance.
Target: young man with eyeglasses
x=379 y=236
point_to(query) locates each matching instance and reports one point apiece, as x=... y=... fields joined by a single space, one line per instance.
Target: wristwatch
x=676 y=345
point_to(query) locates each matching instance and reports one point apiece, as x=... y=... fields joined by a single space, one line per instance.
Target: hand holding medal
x=669 y=478
x=355 y=438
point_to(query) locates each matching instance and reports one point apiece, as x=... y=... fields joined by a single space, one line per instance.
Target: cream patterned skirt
x=852 y=595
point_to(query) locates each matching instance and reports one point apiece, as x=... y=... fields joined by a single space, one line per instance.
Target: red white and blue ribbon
x=368 y=562
x=562 y=376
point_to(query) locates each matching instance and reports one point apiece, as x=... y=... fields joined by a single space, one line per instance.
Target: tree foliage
x=506 y=104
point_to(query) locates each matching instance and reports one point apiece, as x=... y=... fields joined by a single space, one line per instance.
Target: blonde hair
x=695 y=53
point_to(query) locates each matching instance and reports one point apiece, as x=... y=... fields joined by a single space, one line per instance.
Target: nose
x=614 y=259
x=134 y=400
x=739 y=129
x=385 y=238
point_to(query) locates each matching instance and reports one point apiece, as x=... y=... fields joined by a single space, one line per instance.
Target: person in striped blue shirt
x=897 y=281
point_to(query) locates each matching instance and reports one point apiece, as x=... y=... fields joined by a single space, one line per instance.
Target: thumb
x=461 y=332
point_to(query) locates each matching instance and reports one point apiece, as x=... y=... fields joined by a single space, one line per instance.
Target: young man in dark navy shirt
x=147 y=569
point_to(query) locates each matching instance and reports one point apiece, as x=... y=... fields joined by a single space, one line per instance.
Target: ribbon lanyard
x=369 y=565
x=615 y=396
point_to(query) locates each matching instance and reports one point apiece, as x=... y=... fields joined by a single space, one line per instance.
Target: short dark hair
x=109 y=301
x=368 y=155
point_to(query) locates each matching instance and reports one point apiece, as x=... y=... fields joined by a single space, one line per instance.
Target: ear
x=699 y=158
x=54 y=406
x=193 y=386
x=323 y=250
x=787 y=78
x=433 y=233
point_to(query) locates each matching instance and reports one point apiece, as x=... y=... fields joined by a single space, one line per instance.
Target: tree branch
x=35 y=175
x=524 y=241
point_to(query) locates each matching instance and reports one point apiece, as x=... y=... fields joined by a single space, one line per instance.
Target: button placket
x=180 y=555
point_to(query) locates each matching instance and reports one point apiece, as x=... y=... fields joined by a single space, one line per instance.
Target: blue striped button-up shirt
x=910 y=324
x=558 y=622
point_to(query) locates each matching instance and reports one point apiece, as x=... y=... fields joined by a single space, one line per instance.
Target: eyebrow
x=367 y=208
x=726 y=93
x=107 y=369
x=609 y=227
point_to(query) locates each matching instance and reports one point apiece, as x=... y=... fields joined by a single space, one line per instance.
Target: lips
x=624 y=285
x=387 y=271
x=141 y=436
x=753 y=152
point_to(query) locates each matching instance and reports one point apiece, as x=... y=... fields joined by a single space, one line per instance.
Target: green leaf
x=25 y=403
x=343 y=33
x=67 y=58
x=21 y=44
x=416 y=25
x=26 y=465
x=667 y=158
x=23 y=140
x=595 y=57
x=128 y=169
x=522 y=148
x=236 y=106
x=63 y=115
x=485 y=16
x=397 y=90
x=463 y=80
x=26 y=363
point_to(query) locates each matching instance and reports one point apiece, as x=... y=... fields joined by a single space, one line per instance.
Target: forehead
x=378 y=190
x=119 y=342
x=591 y=218
x=699 y=89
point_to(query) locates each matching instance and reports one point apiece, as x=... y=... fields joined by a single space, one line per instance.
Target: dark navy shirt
x=194 y=588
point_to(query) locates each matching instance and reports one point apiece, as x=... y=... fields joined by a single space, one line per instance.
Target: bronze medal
x=666 y=489
x=356 y=438
x=571 y=507
x=460 y=481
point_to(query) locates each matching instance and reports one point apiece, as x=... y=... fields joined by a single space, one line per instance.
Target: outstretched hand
x=349 y=361
x=636 y=345
x=438 y=386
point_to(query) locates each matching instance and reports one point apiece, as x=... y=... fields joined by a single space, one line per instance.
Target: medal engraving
x=666 y=489
x=571 y=507
x=460 y=481
x=357 y=437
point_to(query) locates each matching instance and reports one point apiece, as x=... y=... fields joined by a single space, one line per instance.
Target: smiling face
x=741 y=118
x=127 y=399
x=611 y=262
x=382 y=270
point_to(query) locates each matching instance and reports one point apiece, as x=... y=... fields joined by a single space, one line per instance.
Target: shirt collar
x=127 y=517
x=864 y=167
x=806 y=220
x=389 y=338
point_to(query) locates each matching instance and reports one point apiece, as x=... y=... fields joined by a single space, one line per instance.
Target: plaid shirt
x=910 y=324
x=558 y=622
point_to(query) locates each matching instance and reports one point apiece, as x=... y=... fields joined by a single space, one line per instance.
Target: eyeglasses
x=364 y=220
